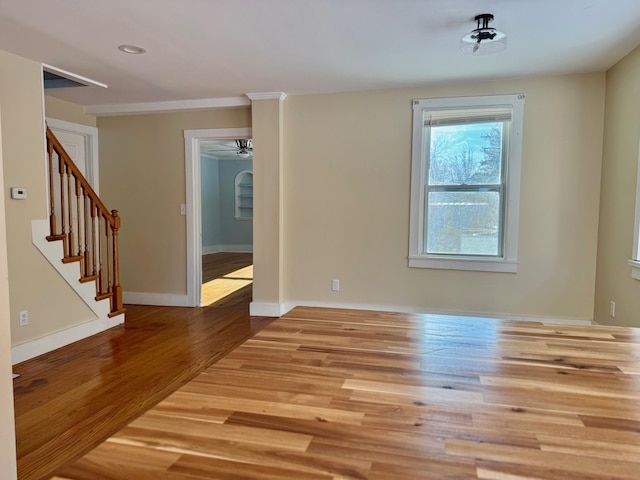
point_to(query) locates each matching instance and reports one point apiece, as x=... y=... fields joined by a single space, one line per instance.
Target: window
x=465 y=182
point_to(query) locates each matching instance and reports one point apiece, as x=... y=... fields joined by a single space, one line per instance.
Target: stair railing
x=87 y=229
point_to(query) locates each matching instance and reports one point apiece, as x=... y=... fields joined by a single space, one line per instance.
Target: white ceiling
x=203 y=49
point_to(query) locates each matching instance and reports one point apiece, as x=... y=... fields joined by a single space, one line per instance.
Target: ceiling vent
x=53 y=80
x=57 y=78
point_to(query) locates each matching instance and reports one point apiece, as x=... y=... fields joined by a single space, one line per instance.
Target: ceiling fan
x=228 y=149
x=245 y=147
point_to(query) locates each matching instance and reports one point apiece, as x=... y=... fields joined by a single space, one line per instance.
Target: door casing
x=192 y=140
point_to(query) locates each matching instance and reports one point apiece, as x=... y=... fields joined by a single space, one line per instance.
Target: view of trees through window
x=465 y=189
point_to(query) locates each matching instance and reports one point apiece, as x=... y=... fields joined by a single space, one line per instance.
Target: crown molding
x=267 y=96
x=160 y=107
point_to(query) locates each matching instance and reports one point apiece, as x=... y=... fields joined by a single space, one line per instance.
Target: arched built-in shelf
x=244 y=195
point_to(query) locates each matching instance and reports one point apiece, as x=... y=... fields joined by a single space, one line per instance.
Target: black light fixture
x=483 y=40
x=245 y=148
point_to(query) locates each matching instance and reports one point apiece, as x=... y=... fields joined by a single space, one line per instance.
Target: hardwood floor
x=226 y=279
x=324 y=394
x=70 y=400
x=219 y=265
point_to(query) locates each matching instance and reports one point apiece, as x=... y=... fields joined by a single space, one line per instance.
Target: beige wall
x=268 y=211
x=619 y=173
x=142 y=175
x=67 y=111
x=346 y=197
x=34 y=285
x=7 y=424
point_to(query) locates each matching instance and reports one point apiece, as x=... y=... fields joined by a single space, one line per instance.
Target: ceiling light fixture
x=484 y=40
x=132 y=49
x=245 y=148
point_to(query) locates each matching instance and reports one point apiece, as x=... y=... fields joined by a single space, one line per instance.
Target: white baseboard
x=160 y=299
x=208 y=249
x=28 y=350
x=426 y=311
x=263 y=309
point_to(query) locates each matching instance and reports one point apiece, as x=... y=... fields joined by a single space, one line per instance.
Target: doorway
x=195 y=142
x=226 y=181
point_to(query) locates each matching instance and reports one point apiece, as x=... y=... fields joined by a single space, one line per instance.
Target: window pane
x=463 y=223
x=466 y=154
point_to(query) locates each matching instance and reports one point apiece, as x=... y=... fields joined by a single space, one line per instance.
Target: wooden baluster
x=100 y=268
x=70 y=212
x=86 y=261
x=79 y=225
x=63 y=215
x=95 y=238
x=52 y=203
x=116 y=304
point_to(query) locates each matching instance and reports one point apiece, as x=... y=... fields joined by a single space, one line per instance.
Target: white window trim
x=509 y=261
x=634 y=262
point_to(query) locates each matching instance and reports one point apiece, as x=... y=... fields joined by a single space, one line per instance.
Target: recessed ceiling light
x=132 y=49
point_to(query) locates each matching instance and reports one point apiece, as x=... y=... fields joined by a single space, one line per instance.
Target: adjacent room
x=320 y=239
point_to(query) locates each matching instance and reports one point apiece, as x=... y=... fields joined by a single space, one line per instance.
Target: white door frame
x=192 y=140
x=91 y=143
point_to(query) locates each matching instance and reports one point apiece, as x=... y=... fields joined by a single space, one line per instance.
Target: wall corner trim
x=267 y=96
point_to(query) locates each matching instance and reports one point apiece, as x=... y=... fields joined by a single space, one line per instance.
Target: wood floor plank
x=575 y=466
x=69 y=400
x=327 y=394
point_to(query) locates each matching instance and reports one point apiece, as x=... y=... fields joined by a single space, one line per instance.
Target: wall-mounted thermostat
x=18 y=193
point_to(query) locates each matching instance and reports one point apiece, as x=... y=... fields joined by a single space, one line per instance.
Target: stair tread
x=117 y=312
x=88 y=278
x=76 y=258
x=53 y=238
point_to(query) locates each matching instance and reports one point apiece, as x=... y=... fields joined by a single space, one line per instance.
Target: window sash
x=497 y=188
x=441 y=118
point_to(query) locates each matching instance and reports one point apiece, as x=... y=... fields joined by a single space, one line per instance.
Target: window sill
x=635 y=268
x=457 y=263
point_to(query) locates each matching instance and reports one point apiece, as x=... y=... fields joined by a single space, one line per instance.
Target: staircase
x=86 y=230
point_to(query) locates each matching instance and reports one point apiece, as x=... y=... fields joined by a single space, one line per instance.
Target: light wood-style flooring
x=324 y=394
x=72 y=399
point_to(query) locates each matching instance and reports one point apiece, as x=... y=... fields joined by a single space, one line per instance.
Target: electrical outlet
x=335 y=285
x=24 y=318
x=612 y=309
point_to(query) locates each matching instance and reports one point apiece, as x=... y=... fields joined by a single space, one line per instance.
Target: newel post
x=116 y=305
